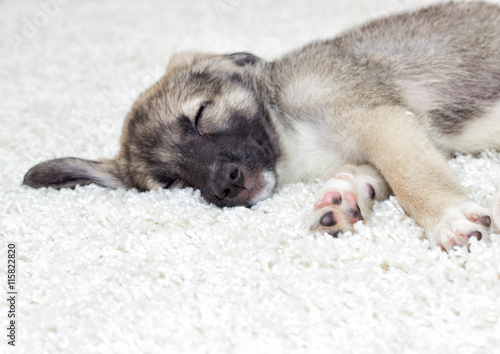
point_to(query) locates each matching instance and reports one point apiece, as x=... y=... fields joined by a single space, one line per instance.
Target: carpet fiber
x=114 y=271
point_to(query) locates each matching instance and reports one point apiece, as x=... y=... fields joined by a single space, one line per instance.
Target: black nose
x=229 y=181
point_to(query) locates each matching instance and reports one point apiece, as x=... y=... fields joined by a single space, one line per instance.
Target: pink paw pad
x=350 y=198
x=329 y=198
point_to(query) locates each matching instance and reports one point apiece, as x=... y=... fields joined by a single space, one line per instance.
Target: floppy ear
x=69 y=172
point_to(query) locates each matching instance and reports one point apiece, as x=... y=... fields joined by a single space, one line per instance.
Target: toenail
x=476 y=234
x=359 y=212
x=483 y=219
x=334 y=233
x=328 y=219
x=371 y=192
x=355 y=214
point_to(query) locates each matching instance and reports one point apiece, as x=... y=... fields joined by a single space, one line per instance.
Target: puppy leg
x=347 y=197
x=398 y=144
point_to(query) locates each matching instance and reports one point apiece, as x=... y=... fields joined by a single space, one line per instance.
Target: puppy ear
x=184 y=60
x=244 y=58
x=69 y=172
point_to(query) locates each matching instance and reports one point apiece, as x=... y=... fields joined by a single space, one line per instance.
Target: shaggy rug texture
x=115 y=271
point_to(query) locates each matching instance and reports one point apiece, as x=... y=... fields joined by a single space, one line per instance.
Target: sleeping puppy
x=374 y=111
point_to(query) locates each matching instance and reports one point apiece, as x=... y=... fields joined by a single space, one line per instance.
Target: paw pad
x=337 y=210
x=328 y=219
x=346 y=198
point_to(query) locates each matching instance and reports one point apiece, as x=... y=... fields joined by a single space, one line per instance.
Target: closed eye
x=197 y=118
x=176 y=183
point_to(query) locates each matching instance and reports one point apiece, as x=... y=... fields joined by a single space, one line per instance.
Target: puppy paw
x=459 y=224
x=343 y=200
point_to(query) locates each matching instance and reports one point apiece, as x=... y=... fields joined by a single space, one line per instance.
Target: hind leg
x=347 y=197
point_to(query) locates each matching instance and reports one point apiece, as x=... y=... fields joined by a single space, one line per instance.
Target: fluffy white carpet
x=102 y=271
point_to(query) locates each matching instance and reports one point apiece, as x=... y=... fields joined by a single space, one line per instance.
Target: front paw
x=342 y=202
x=459 y=224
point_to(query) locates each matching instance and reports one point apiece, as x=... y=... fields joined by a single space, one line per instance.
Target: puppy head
x=204 y=125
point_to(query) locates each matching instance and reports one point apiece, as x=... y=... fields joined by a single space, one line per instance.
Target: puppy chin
x=263 y=187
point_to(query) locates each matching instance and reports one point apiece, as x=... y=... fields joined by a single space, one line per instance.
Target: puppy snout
x=229 y=181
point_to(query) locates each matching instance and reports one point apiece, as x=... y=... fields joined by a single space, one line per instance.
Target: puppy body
x=379 y=107
x=439 y=64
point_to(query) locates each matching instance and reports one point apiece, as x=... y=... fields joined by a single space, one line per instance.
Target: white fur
x=304 y=151
x=267 y=190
